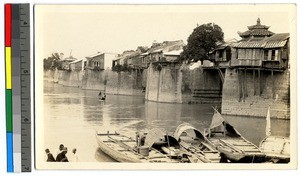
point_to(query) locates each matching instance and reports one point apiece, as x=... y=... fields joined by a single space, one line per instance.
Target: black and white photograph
x=165 y=86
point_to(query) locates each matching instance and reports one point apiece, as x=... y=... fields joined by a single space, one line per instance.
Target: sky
x=82 y=30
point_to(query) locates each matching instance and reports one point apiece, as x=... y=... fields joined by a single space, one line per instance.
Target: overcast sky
x=87 y=29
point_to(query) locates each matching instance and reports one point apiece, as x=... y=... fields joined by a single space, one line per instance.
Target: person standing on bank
x=50 y=157
x=59 y=150
x=74 y=156
x=62 y=156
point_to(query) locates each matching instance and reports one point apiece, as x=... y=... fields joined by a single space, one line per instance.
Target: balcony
x=246 y=62
x=275 y=64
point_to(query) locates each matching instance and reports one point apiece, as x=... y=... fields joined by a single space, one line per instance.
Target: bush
x=120 y=68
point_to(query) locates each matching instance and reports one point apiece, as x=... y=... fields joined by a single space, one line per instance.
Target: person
x=223 y=158
x=59 y=150
x=103 y=97
x=62 y=156
x=50 y=157
x=100 y=94
x=137 y=139
x=74 y=156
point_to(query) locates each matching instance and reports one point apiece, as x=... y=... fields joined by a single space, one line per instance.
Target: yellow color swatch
x=8 y=67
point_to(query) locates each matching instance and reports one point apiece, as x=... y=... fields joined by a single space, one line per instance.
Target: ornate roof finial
x=258 y=21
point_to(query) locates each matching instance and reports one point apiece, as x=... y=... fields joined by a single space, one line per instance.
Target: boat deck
x=123 y=149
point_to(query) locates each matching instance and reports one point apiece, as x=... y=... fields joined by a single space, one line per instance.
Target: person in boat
x=140 y=139
x=185 y=159
x=62 y=156
x=223 y=158
x=103 y=97
x=50 y=157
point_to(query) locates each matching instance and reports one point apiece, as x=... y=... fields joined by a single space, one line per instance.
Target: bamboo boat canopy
x=156 y=135
x=219 y=122
x=185 y=127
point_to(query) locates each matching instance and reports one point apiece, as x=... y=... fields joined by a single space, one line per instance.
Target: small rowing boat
x=276 y=148
x=155 y=146
x=230 y=143
x=196 y=143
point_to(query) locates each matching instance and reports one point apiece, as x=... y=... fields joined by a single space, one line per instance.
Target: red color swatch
x=8 y=21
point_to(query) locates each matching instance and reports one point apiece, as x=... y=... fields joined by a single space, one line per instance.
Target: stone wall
x=179 y=84
x=248 y=92
x=52 y=75
x=124 y=83
x=162 y=84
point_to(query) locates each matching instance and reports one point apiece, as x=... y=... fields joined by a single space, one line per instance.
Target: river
x=72 y=116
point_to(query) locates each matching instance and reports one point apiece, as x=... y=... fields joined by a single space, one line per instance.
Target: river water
x=72 y=116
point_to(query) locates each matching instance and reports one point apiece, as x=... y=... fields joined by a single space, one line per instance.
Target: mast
x=268 y=123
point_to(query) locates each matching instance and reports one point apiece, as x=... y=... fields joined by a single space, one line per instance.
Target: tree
x=53 y=62
x=203 y=40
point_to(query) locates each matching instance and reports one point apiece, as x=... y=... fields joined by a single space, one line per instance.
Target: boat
x=230 y=143
x=276 y=148
x=196 y=143
x=155 y=146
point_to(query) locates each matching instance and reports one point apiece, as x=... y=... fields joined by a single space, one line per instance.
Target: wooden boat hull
x=238 y=149
x=230 y=143
x=123 y=149
x=195 y=143
x=276 y=148
x=110 y=148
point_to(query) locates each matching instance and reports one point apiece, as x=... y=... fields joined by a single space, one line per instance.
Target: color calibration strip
x=17 y=70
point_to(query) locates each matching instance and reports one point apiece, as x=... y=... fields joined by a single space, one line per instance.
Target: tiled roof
x=227 y=42
x=167 y=46
x=275 y=41
x=78 y=60
x=257 y=30
x=280 y=36
x=174 y=52
x=275 y=44
x=95 y=55
x=247 y=44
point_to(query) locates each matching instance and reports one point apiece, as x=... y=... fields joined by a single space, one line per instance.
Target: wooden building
x=261 y=48
x=100 y=61
x=78 y=65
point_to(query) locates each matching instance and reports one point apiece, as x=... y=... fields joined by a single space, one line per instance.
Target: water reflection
x=72 y=116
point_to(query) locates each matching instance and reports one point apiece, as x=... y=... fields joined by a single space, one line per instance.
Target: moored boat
x=157 y=146
x=230 y=143
x=276 y=148
x=196 y=143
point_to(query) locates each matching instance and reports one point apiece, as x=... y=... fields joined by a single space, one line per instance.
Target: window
x=273 y=55
x=221 y=54
x=266 y=54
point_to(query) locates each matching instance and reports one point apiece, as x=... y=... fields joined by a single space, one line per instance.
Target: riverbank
x=241 y=93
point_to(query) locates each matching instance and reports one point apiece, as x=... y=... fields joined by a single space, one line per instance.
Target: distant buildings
x=65 y=63
x=222 y=54
x=167 y=51
x=258 y=48
x=78 y=65
x=100 y=61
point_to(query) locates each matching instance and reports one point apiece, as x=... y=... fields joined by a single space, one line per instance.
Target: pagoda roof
x=257 y=30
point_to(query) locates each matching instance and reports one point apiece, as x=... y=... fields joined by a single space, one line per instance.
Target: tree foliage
x=203 y=39
x=120 y=68
x=53 y=62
